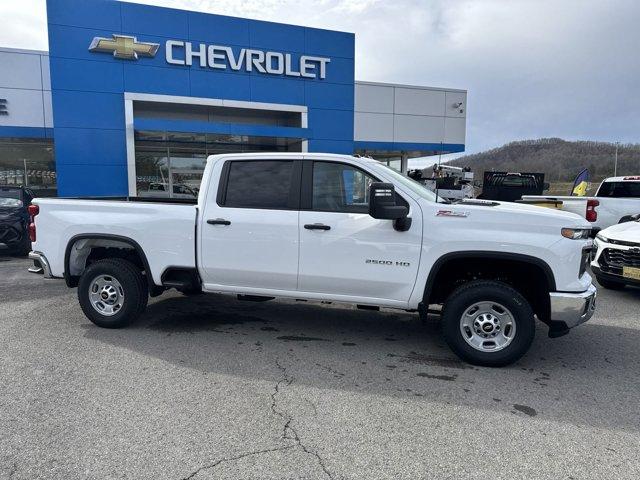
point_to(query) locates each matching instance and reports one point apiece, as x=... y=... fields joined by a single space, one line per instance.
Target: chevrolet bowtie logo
x=124 y=46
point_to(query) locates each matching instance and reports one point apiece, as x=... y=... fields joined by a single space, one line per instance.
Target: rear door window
x=259 y=184
x=620 y=190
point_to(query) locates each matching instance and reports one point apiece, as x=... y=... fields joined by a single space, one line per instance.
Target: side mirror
x=382 y=205
x=546 y=186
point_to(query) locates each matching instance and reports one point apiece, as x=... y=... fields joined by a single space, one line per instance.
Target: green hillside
x=560 y=160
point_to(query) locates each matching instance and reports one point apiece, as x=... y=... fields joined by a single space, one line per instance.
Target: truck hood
x=624 y=232
x=521 y=211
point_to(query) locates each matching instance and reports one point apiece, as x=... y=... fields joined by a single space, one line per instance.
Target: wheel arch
x=104 y=240
x=479 y=257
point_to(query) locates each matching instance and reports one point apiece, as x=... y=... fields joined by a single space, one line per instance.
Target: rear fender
x=79 y=248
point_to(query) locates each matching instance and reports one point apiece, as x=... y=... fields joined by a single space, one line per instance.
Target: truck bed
x=164 y=230
x=610 y=209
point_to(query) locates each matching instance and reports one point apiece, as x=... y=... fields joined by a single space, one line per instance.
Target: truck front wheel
x=112 y=293
x=488 y=323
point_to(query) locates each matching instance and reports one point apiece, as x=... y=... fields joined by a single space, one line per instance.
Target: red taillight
x=32 y=231
x=592 y=215
x=33 y=211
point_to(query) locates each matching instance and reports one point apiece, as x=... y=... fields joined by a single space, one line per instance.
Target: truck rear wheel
x=488 y=323
x=112 y=293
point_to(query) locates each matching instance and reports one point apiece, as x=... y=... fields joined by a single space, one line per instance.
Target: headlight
x=602 y=238
x=576 y=233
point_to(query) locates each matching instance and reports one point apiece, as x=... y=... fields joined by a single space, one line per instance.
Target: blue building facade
x=140 y=95
x=88 y=87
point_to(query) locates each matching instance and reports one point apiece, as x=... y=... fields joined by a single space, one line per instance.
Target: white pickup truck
x=615 y=199
x=328 y=228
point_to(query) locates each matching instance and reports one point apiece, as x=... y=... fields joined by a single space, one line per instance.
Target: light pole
x=615 y=164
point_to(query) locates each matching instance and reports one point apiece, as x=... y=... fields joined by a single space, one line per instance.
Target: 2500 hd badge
x=387 y=262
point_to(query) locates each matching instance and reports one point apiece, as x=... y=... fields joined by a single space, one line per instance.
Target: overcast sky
x=533 y=68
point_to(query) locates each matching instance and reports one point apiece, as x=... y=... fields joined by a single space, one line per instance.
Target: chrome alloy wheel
x=106 y=295
x=488 y=326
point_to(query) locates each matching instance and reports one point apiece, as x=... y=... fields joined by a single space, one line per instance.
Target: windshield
x=10 y=197
x=415 y=187
x=10 y=193
x=10 y=202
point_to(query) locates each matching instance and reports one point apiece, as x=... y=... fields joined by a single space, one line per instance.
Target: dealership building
x=131 y=99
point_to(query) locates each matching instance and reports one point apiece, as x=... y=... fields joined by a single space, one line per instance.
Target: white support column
x=131 y=147
x=304 y=124
x=404 y=162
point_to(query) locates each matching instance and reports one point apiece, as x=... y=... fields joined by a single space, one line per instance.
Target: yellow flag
x=581 y=184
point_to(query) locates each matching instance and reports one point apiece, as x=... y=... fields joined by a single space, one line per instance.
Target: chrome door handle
x=219 y=221
x=317 y=226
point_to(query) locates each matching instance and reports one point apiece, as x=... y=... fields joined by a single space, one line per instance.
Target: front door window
x=339 y=187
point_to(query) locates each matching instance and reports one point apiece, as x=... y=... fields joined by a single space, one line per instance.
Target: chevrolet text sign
x=127 y=47
x=219 y=57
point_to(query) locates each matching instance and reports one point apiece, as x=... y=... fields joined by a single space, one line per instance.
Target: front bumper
x=40 y=264
x=572 y=309
x=599 y=273
x=612 y=257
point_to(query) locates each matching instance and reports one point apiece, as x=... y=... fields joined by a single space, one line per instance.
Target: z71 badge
x=451 y=213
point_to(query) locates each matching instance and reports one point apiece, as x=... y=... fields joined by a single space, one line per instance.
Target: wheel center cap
x=104 y=295
x=486 y=325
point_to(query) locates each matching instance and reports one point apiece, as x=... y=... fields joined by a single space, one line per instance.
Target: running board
x=176 y=284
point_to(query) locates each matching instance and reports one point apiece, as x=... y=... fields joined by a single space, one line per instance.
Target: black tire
x=610 y=284
x=476 y=291
x=25 y=248
x=134 y=286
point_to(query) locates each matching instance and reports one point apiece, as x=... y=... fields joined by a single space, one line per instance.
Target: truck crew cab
x=329 y=228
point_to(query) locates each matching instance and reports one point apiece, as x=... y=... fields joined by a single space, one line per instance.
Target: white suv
x=616 y=261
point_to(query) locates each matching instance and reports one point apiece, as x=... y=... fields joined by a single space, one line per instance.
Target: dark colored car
x=14 y=220
x=509 y=187
x=630 y=218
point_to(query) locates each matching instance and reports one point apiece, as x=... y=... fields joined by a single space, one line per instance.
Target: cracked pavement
x=209 y=387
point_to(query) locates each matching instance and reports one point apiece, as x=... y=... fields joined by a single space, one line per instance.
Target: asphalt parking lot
x=210 y=387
